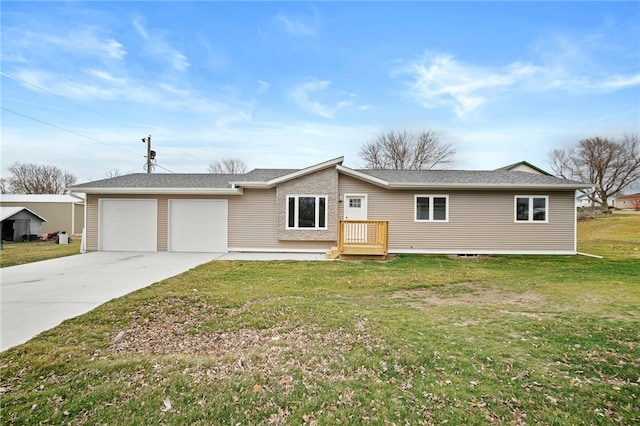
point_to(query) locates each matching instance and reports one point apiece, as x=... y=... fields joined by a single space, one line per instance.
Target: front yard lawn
x=18 y=253
x=415 y=340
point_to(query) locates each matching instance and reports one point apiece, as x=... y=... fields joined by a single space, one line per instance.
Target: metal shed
x=20 y=223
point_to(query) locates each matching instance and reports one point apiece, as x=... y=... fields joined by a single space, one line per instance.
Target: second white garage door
x=198 y=225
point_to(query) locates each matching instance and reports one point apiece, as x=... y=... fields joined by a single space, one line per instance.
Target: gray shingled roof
x=263 y=175
x=466 y=177
x=397 y=178
x=162 y=180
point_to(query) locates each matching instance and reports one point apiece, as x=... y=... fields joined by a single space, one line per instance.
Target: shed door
x=198 y=226
x=127 y=225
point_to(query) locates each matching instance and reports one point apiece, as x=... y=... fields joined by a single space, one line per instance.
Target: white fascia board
x=363 y=176
x=273 y=182
x=160 y=191
x=254 y=184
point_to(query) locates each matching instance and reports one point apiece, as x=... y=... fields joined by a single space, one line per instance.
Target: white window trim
x=296 y=213
x=431 y=197
x=530 y=219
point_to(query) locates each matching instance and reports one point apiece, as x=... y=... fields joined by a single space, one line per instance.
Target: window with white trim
x=431 y=208
x=306 y=212
x=531 y=208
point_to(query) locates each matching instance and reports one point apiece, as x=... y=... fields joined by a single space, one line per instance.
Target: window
x=306 y=212
x=532 y=208
x=432 y=208
x=355 y=203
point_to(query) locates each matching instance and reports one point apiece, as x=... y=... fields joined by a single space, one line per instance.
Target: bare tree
x=403 y=150
x=4 y=186
x=233 y=166
x=38 y=179
x=612 y=166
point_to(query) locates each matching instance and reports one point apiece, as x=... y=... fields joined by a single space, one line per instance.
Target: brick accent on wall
x=323 y=183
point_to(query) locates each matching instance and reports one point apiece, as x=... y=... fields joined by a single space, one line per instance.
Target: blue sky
x=291 y=84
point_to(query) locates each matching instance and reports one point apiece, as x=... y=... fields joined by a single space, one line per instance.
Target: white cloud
x=140 y=29
x=440 y=80
x=622 y=81
x=114 y=49
x=21 y=43
x=263 y=86
x=160 y=48
x=170 y=88
x=297 y=26
x=314 y=96
x=300 y=94
x=103 y=75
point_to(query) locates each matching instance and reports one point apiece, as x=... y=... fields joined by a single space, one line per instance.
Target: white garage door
x=198 y=225
x=128 y=225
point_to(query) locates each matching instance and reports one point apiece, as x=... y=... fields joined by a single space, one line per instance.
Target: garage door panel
x=128 y=225
x=198 y=226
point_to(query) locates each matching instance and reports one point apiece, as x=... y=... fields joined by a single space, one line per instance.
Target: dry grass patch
x=469 y=294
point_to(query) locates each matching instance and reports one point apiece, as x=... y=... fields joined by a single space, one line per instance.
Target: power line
x=163 y=168
x=79 y=134
x=69 y=131
x=86 y=108
x=66 y=99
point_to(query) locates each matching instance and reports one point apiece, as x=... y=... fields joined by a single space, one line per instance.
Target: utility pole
x=151 y=155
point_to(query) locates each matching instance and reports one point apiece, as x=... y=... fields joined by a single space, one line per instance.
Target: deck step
x=334 y=253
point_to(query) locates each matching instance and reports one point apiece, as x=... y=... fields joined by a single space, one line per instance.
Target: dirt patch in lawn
x=178 y=330
x=469 y=294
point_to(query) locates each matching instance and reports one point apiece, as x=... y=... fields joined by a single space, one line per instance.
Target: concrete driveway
x=38 y=296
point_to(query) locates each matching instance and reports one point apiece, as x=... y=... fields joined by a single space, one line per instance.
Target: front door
x=355 y=208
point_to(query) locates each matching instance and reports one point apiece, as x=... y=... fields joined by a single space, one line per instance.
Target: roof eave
x=254 y=184
x=484 y=186
x=363 y=176
x=160 y=191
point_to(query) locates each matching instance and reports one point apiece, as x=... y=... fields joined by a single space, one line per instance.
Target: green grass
x=18 y=253
x=416 y=340
x=612 y=236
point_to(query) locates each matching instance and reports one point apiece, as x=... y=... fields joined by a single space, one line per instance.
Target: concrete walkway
x=39 y=296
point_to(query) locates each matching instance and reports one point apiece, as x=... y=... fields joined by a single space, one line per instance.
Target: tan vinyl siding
x=479 y=221
x=163 y=223
x=162 y=216
x=253 y=221
x=91 y=223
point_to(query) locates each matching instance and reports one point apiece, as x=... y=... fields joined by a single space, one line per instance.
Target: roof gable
x=8 y=212
x=279 y=176
x=524 y=166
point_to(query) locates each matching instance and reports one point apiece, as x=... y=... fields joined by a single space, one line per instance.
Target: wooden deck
x=361 y=238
